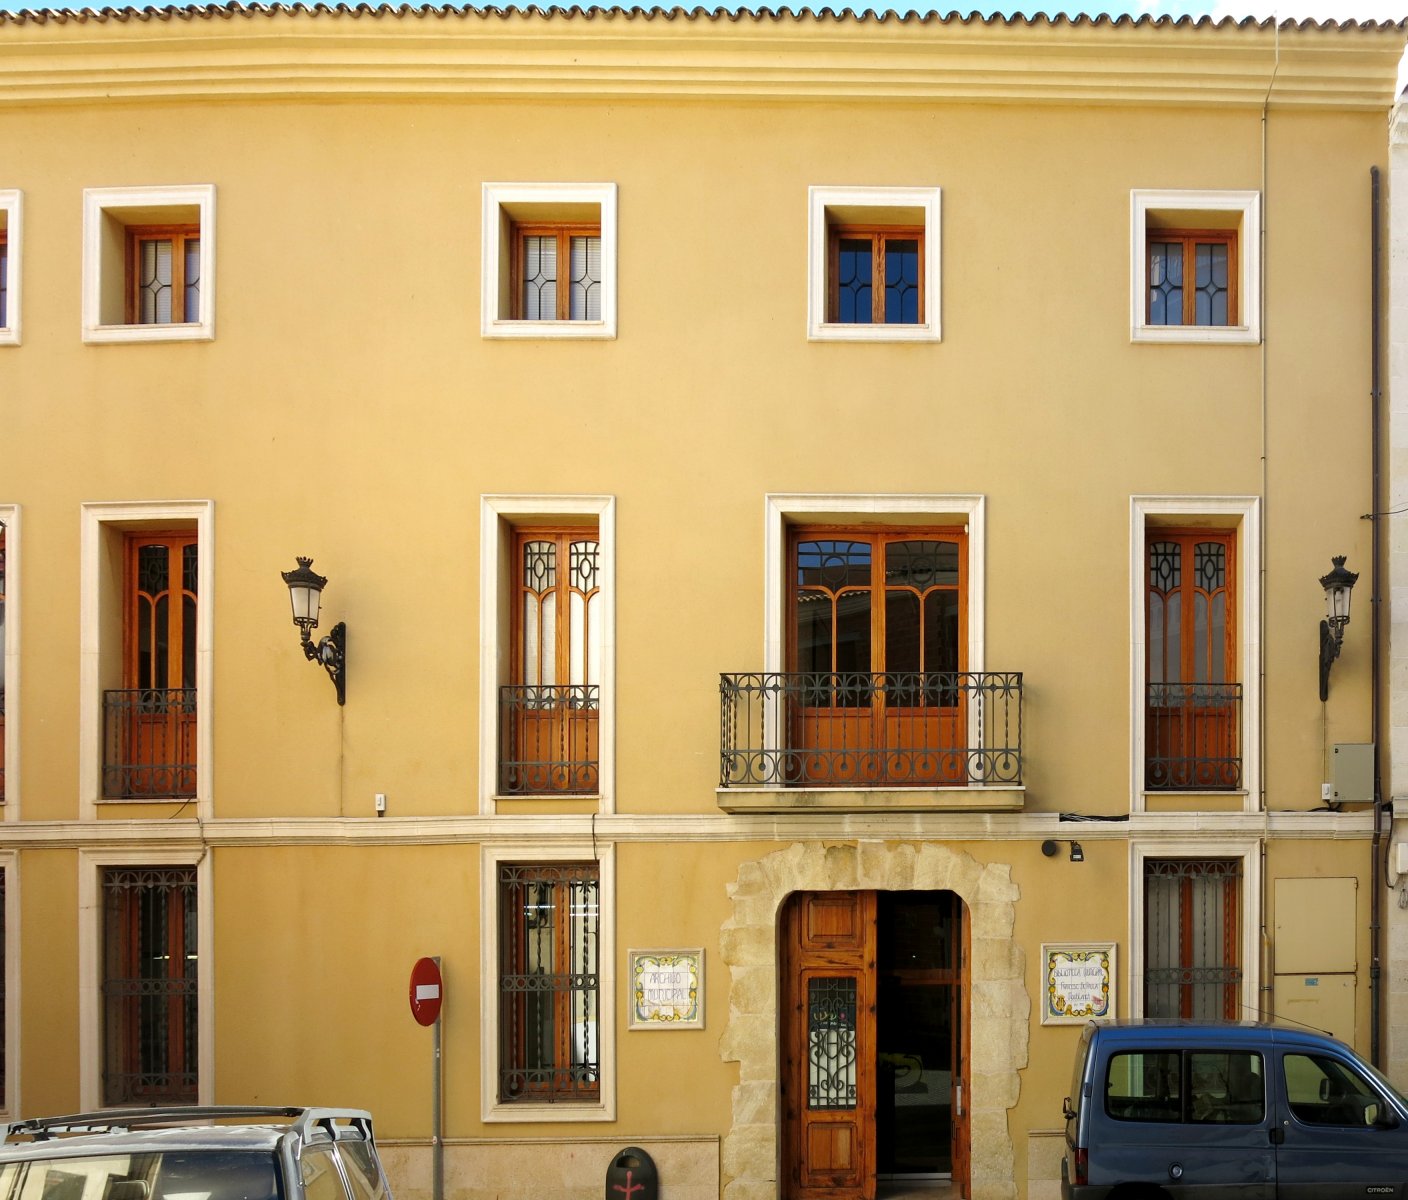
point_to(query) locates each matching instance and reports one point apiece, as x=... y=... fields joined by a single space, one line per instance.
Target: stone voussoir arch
x=999 y=1004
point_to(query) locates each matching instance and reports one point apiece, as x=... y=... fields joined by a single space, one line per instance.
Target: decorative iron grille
x=1193 y=740
x=549 y=938
x=831 y=1043
x=871 y=729
x=549 y=735
x=1192 y=961
x=150 y=1033
x=149 y=743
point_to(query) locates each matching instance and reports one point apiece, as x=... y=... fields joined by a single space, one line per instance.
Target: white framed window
x=1195 y=260
x=549 y=563
x=157 y=748
x=1211 y=886
x=1195 y=625
x=576 y=935
x=10 y=997
x=149 y=264
x=549 y=260
x=109 y=952
x=873 y=258
x=10 y=661
x=11 y=252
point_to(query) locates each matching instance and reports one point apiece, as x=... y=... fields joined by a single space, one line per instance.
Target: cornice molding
x=699 y=827
x=278 y=53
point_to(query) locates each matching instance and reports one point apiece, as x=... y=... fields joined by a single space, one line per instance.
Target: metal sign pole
x=437 y=1119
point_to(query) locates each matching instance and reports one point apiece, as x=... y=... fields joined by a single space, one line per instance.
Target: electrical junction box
x=1352 y=773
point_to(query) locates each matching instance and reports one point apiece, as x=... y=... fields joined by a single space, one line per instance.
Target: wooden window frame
x=176 y=542
x=564 y=231
x=178 y=235
x=877 y=537
x=878 y=236
x=562 y=536
x=1190 y=239
x=1187 y=537
x=1230 y=936
x=513 y=952
x=5 y=278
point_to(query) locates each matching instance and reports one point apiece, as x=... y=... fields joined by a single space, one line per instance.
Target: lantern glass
x=1337 y=603
x=306 y=602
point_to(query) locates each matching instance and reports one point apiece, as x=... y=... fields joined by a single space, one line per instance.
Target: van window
x=1325 y=1091
x=1224 y=1087
x=1144 y=1086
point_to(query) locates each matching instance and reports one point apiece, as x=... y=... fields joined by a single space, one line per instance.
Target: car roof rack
x=113 y=1120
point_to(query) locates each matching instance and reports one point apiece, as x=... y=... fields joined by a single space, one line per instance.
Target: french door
x=874 y=1043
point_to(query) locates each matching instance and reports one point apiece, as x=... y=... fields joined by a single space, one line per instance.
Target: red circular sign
x=426 y=990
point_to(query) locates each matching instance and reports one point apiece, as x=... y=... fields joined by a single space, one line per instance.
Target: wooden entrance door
x=835 y=1031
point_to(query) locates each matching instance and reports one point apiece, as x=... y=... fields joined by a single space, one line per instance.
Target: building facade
x=826 y=516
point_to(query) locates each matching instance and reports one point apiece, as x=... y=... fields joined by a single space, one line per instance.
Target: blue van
x=1238 y=1110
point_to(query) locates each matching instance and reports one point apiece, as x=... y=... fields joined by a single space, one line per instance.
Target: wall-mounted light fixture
x=1052 y=848
x=305 y=592
x=1337 y=584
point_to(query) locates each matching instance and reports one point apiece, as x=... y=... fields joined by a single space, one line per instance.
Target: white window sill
x=997 y=798
x=9 y=337
x=828 y=332
x=565 y=1112
x=195 y=331
x=585 y=330
x=1226 y=335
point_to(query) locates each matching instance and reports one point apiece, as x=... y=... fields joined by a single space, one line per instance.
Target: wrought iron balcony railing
x=871 y=729
x=1193 y=737
x=149 y=743
x=548 y=739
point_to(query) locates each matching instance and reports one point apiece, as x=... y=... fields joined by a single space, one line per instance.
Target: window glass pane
x=1165 y=283
x=586 y=279
x=363 y=1173
x=1325 y=1091
x=902 y=635
x=319 y=1174
x=1226 y=1088
x=831 y=1043
x=853 y=632
x=4 y=284
x=1145 y=1086
x=853 y=281
x=540 y=278
x=192 y=268
x=901 y=281
x=1210 y=298
x=154 y=282
x=941 y=631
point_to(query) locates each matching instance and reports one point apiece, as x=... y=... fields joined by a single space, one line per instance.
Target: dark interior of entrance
x=918 y=1034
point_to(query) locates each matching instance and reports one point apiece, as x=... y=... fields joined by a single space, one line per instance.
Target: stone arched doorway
x=1001 y=1007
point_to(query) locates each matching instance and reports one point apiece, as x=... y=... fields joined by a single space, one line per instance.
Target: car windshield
x=163 y=1175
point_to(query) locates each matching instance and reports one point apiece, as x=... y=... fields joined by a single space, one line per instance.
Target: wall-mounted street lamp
x=1052 y=848
x=305 y=592
x=1337 y=584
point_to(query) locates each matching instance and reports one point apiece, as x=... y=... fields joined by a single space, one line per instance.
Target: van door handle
x=1277 y=1135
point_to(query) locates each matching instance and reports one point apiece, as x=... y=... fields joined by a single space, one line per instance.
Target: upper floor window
x=875 y=275
x=149 y=264
x=1195 y=262
x=557 y=272
x=873 y=264
x=9 y=267
x=1194 y=697
x=163 y=275
x=549 y=260
x=549 y=712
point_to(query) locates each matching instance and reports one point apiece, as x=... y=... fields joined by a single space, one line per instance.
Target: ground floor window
x=150 y=1033
x=549 y=943
x=1192 y=935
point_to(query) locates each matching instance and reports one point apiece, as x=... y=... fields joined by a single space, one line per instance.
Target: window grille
x=1192 y=963
x=150 y=1035
x=550 y=934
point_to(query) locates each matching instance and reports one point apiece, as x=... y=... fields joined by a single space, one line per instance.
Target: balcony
x=897 y=740
x=149 y=744
x=549 y=739
x=1193 y=737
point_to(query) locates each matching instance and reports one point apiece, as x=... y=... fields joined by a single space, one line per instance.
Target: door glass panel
x=831 y=1043
x=1324 y=1091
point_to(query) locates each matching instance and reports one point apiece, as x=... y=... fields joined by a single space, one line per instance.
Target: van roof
x=1150 y=1030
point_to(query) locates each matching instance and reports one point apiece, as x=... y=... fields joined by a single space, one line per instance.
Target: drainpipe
x=1375 y=629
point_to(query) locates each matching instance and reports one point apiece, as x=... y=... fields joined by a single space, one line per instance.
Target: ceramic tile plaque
x=1078 y=982
x=667 y=989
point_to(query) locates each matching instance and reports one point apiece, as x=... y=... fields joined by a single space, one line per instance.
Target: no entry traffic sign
x=426 y=990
